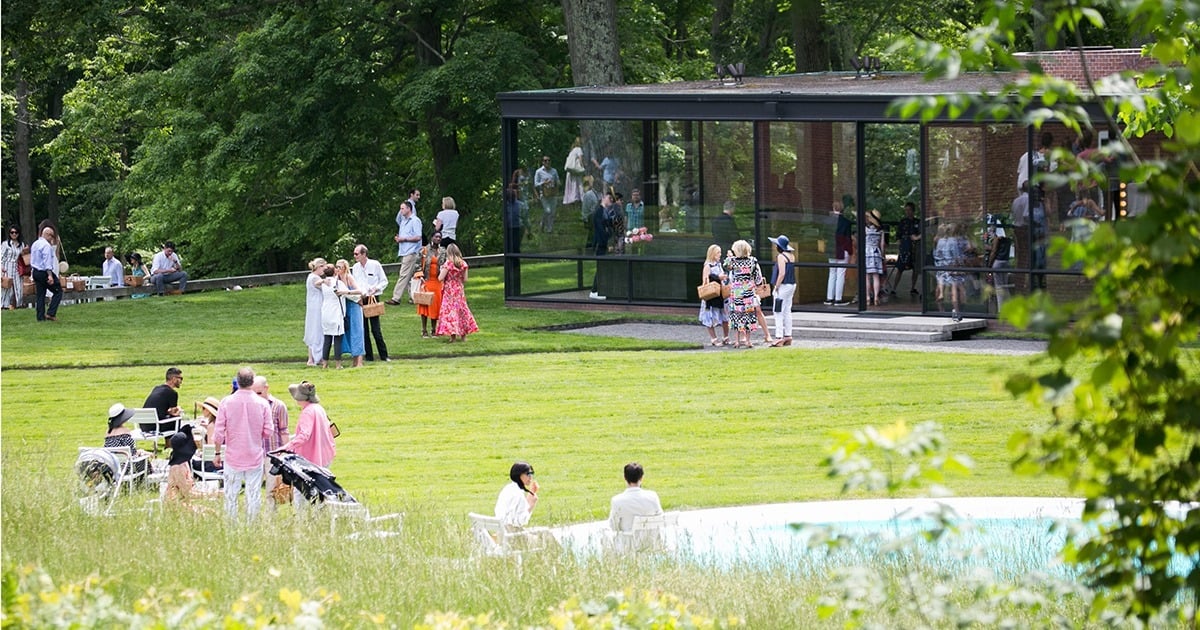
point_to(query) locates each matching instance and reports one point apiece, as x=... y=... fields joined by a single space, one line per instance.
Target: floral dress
x=455 y=317
x=744 y=275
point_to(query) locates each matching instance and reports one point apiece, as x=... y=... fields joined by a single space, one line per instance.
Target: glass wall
x=675 y=180
x=669 y=180
x=806 y=168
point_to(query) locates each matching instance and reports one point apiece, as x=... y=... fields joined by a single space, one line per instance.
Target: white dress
x=313 y=337
x=333 y=310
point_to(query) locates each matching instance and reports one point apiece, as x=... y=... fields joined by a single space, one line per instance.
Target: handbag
x=763 y=291
x=6 y=282
x=709 y=290
x=333 y=429
x=424 y=298
x=372 y=307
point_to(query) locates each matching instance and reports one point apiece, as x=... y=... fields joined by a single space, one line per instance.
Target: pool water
x=1008 y=535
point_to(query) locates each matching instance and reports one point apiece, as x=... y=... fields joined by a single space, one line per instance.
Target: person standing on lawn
x=371 y=281
x=243 y=425
x=455 y=318
x=409 y=252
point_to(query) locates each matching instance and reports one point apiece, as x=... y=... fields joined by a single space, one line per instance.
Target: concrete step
x=867 y=334
x=881 y=327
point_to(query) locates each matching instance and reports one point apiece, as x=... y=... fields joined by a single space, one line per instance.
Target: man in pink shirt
x=243 y=424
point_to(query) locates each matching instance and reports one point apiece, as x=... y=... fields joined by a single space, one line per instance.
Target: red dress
x=433 y=285
x=456 y=317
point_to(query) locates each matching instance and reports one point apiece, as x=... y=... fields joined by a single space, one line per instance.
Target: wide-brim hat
x=874 y=219
x=782 y=243
x=118 y=415
x=304 y=391
x=183 y=445
x=212 y=405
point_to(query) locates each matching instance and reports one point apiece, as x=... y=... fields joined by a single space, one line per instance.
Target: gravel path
x=697 y=335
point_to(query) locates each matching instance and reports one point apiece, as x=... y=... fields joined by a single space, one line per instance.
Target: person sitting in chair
x=164 y=398
x=120 y=436
x=634 y=501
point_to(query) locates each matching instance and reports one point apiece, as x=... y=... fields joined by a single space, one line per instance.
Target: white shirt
x=633 y=502
x=371 y=279
x=449 y=219
x=1023 y=166
x=512 y=508
x=165 y=264
x=115 y=271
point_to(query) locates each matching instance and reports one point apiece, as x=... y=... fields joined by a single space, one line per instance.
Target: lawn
x=433 y=433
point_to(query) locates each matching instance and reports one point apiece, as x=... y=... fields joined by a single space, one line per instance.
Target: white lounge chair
x=359 y=519
x=495 y=539
x=645 y=533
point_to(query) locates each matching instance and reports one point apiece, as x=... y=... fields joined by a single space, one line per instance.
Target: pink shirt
x=314 y=440
x=243 y=422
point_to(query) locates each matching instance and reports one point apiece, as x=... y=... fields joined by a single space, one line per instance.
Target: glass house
x=780 y=153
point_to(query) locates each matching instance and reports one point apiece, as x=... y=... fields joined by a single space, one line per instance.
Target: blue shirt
x=635 y=214
x=409 y=228
x=42 y=256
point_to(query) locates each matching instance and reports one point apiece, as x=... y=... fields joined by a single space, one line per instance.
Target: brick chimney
x=1101 y=60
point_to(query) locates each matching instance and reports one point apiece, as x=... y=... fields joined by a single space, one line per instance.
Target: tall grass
x=433 y=436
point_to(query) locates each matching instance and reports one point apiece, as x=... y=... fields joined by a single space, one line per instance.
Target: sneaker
x=846 y=303
x=596 y=296
x=828 y=302
x=956 y=316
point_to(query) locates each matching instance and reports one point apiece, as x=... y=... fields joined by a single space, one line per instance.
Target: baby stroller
x=314 y=482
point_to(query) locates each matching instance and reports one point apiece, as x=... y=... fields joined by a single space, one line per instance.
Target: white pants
x=837 y=281
x=233 y=487
x=783 y=316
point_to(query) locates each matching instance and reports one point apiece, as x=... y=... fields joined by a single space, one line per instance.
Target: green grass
x=433 y=434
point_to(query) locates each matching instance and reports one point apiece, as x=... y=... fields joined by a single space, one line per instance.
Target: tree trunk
x=721 y=47
x=592 y=41
x=809 y=36
x=21 y=157
x=54 y=111
x=441 y=131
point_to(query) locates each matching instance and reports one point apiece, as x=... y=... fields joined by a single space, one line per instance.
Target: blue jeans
x=161 y=280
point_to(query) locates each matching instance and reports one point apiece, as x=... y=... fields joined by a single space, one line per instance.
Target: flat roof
x=822 y=96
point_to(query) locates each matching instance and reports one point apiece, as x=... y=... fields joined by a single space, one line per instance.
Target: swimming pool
x=1007 y=534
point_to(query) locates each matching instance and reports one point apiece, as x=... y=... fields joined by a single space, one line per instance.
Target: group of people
x=42 y=265
x=519 y=497
x=738 y=306
x=334 y=320
x=242 y=429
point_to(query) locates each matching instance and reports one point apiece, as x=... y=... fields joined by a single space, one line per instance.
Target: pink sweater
x=313 y=440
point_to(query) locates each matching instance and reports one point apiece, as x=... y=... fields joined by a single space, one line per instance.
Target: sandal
x=716 y=343
x=777 y=343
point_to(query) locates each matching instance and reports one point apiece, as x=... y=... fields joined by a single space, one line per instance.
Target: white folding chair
x=151 y=429
x=207 y=455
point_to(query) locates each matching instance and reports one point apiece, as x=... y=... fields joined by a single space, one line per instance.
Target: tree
x=1122 y=387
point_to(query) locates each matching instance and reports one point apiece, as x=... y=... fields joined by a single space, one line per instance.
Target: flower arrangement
x=637 y=236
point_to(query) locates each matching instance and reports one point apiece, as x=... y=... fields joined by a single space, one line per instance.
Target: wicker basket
x=372 y=307
x=134 y=281
x=423 y=297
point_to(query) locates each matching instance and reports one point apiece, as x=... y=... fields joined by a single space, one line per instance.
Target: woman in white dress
x=313 y=337
x=573 y=187
x=333 y=315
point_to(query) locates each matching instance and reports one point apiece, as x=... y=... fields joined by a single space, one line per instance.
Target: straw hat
x=211 y=405
x=874 y=219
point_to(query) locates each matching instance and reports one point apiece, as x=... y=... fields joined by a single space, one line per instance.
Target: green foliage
x=1125 y=426
x=32 y=599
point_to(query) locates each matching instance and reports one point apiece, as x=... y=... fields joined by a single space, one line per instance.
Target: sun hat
x=874 y=219
x=183 y=445
x=63 y=267
x=118 y=415
x=782 y=243
x=211 y=404
x=304 y=391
